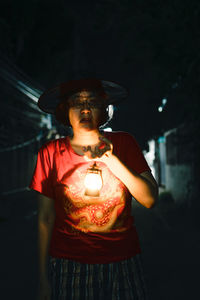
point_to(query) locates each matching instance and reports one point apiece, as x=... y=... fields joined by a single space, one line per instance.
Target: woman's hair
x=62 y=114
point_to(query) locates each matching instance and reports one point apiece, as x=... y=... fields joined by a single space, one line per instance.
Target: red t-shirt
x=89 y=229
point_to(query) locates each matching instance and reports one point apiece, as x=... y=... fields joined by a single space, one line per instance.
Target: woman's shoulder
x=118 y=135
x=55 y=144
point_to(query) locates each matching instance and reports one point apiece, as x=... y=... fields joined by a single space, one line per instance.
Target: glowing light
x=150 y=156
x=107 y=129
x=93 y=181
x=161 y=139
x=28 y=91
x=161 y=107
x=164 y=101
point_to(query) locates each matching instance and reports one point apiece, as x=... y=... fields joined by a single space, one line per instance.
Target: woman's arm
x=46 y=217
x=142 y=187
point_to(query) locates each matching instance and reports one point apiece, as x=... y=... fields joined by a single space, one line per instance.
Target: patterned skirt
x=123 y=280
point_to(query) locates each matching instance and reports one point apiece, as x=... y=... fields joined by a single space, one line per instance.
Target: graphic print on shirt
x=94 y=214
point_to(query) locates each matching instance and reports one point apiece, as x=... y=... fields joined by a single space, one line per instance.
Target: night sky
x=151 y=47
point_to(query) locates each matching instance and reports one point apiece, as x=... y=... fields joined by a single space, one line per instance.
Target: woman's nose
x=86 y=107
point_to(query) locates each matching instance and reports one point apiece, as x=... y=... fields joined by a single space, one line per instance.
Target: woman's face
x=84 y=111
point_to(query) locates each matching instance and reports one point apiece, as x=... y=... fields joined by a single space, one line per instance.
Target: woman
x=90 y=237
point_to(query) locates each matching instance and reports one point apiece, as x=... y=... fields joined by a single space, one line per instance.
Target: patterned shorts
x=123 y=280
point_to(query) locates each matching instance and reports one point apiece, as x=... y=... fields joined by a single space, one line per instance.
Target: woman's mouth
x=85 y=120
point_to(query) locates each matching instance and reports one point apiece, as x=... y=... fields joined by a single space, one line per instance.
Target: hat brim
x=50 y=99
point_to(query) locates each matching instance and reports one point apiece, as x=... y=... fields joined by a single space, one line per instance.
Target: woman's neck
x=86 y=138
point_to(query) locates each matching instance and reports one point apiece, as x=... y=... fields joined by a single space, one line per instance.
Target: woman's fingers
x=104 y=139
x=99 y=150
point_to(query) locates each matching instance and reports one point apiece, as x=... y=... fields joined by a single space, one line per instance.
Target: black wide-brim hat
x=110 y=91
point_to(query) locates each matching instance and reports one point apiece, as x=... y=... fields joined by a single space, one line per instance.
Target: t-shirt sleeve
x=134 y=157
x=42 y=176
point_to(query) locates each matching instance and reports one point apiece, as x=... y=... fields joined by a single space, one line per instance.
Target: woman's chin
x=87 y=125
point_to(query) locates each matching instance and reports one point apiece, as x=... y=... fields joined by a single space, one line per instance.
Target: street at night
x=71 y=74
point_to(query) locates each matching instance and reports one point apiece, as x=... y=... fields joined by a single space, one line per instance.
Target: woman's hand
x=101 y=152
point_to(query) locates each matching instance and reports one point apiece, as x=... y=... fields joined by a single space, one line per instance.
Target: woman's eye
x=95 y=104
x=76 y=104
x=92 y=104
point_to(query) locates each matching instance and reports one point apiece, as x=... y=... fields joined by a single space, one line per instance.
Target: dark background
x=151 y=47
